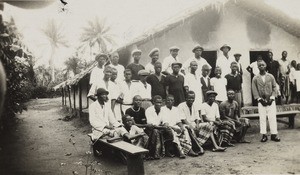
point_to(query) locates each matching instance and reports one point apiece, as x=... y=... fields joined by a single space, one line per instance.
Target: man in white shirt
x=97 y=72
x=190 y=116
x=237 y=57
x=172 y=58
x=154 y=120
x=102 y=118
x=115 y=64
x=127 y=89
x=192 y=83
x=200 y=60
x=154 y=55
x=106 y=84
x=224 y=60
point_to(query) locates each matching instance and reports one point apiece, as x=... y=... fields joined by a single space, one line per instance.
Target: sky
x=127 y=18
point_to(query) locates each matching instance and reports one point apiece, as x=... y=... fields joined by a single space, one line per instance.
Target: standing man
x=157 y=82
x=115 y=64
x=135 y=67
x=144 y=89
x=200 y=60
x=264 y=91
x=225 y=60
x=273 y=68
x=192 y=82
x=234 y=82
x=154 y=55
x=284 y=68
x=97 y=72
x=167 y=63
x=237 y=57
x=175 y=84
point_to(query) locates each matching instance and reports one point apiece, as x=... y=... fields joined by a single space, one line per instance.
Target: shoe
x=192 y=153
x=275 y=138
x=181 y=156
x=264 y=138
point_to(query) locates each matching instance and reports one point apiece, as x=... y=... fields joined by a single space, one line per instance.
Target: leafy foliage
x=18 y=66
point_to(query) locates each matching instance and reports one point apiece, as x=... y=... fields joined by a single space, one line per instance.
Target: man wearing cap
x=115 y=64
x=173 y=57
x=200 y=60
x=192 y=82
x=157 y=82
x=135 y=67
x=264 y=91
x=97 y=72
x=144 y=89
x=175 y=84
x=102 y=118
x=154 y=55
x=210 y=113
x=224 y=60
x=237 y=57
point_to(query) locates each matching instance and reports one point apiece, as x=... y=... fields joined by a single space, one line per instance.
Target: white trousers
x=269 y=111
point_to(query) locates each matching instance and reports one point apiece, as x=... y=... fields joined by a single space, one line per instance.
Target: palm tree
x=55 y=40
x=74 y=64
x=97 y=33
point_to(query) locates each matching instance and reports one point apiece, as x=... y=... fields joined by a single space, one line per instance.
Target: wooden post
x=80 y=99
x=74 y=96
x=62 y=96
x=135 y=164
x=69 y=92
x=87 y=92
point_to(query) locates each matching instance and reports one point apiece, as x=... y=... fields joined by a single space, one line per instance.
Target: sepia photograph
x=116 y=87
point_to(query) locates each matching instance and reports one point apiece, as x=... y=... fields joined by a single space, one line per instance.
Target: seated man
x=158 y=134
x=210 y=113
x=137 y=112
x=229 y=110
x=171 y=119
x=190 y=116
x=102 y=118
x=136 y=136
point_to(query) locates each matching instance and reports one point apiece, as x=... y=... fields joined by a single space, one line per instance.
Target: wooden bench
x=135 y=162
x=290 y=111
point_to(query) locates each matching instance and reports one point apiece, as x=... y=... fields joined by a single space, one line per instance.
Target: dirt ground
x=42 y=143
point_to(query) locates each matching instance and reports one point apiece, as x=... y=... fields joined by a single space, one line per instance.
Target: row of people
x=167 y=130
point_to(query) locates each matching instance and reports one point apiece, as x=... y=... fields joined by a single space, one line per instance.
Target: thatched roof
x=255 y=7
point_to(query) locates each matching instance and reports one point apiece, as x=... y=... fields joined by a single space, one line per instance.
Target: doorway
x=211 y=58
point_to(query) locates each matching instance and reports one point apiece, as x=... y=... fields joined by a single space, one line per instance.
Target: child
x=137 y=136
x=218 y=85
x=205 y=80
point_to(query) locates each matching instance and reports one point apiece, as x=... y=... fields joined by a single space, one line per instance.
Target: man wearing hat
x=135 y=67
x=167 y=62
x=154 y=55
x=224 y=60
x=175 y=84
x=97 y=72
x=102 y=118
x=237 y=57
x=197 y=57
x=144 y=89
x=210 y=113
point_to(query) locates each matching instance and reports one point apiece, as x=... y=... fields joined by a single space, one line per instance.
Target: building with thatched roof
x=251 y=28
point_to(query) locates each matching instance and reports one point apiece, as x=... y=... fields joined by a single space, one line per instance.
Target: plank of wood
x=126 y=147
x=278 y=114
